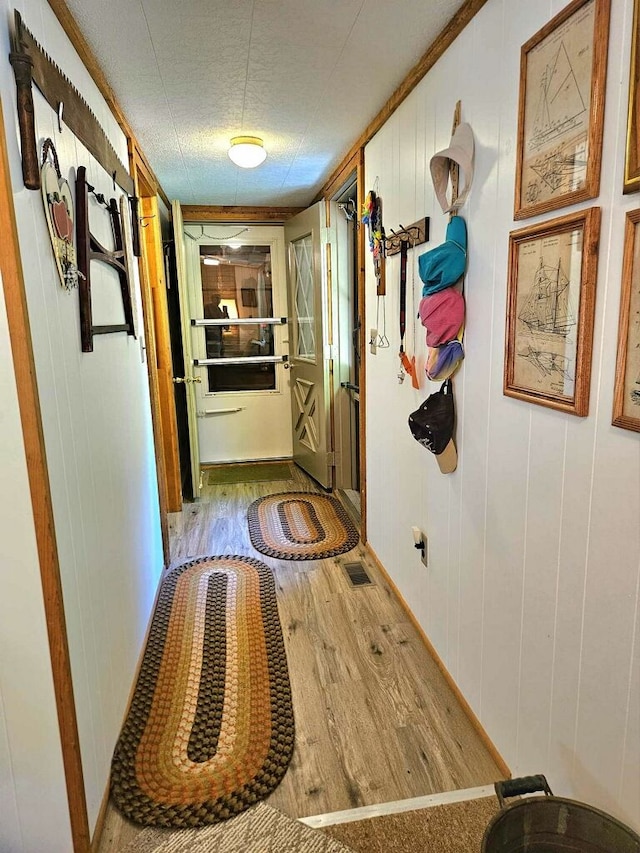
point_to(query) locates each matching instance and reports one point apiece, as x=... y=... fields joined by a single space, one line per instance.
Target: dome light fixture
x=247 y=151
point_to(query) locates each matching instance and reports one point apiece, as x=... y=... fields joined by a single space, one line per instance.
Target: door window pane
x=236 y=284
x=304 y=301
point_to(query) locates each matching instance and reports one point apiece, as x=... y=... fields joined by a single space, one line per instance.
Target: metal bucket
x=552 y=824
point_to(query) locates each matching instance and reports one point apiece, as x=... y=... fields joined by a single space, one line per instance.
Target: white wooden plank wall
x=98 y=432
x=30 y=756
x=531 y=597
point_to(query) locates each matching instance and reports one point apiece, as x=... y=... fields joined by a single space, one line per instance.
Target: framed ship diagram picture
x=550 y=309
x=626 y=395
x=561 y=109
x=632 y=151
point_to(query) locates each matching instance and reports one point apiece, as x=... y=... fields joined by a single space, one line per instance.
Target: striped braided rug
x=300 y=526
x=210 y=729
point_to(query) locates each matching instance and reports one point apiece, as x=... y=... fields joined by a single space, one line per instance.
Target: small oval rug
x=300 y=526
x=210 y=729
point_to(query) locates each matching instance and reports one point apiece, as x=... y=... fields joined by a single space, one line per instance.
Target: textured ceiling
x=305 y=75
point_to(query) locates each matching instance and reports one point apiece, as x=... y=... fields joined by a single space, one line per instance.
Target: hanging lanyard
x=404 y=247
x=407 y=365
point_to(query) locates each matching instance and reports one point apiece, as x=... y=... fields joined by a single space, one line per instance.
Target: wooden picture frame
x=563 y=70
x=626 y=395
x=550 y=311
x=249 y=297
x=632 y=150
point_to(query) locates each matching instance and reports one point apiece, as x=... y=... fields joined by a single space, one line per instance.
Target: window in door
x=304 y=297
x=236 y=285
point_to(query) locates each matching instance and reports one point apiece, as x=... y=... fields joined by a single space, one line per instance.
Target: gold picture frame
x=626 y=395
x=632 y=150
x=550 y=311
x=563 y=70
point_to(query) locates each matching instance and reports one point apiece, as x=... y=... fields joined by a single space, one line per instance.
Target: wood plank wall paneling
x=531 y=595
x=40 y=493
x=99 y=444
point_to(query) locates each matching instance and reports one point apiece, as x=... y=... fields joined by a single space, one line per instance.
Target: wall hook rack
x=415 y=234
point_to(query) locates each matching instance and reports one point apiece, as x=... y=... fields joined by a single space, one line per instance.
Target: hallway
x=375 y=720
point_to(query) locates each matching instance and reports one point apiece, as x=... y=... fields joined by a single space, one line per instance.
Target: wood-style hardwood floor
x=375 y=720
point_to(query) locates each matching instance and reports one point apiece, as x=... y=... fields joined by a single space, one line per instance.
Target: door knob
x=288 y=365
x=178 y=380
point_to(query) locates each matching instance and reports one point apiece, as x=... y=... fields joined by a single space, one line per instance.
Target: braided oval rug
x=300 y=526
x=210 y=729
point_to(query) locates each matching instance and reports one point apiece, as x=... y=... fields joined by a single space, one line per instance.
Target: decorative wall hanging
x=58 y=211
x=550 y=309
x=372 y=217
x=626 y=397
x=90 y=249
x=632 y=153
x=32 y=65
x=563 y=71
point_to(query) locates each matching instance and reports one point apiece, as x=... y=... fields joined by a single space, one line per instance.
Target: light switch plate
x=373 y=338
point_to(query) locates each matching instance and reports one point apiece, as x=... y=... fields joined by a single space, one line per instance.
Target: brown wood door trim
x=360 y=190
x=30 y=415
x=145 y=189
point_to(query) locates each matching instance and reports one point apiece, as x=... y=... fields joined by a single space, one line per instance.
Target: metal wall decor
x=58 y=211
x=32 y=65
x=90 y=249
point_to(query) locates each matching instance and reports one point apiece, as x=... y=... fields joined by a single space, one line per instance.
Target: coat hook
x=60 y=111
x=142 y=219
x=114 y=181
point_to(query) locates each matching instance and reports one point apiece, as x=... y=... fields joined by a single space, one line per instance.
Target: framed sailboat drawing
x=563 y=71
x=626 y=395
x=550 y=309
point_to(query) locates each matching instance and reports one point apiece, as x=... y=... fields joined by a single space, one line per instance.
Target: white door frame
x=240 y=426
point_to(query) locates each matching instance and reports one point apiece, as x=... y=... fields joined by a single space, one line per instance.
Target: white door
x=239 y=337
x=310 y=354
x=190 y=381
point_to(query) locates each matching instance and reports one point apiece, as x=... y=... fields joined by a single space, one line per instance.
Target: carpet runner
x=259 y=830
x=300 y=526
x=210 y=730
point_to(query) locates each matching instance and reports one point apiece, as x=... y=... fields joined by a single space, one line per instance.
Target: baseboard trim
x=98 y=829
x=320 y=821
x=475 y=722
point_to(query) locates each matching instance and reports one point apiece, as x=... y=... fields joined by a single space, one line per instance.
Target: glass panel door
x=304 y=297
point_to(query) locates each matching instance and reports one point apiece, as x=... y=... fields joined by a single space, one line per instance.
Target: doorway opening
x=347 y=420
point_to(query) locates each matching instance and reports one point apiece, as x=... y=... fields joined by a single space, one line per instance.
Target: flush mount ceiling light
x=247 y=151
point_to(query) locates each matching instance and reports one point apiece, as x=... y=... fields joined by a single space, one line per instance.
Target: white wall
x=531 y=596
x=31 y=771
x=98 y=436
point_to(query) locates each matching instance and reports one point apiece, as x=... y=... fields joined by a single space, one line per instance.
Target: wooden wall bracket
x=415 y=234
x=90 y=249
